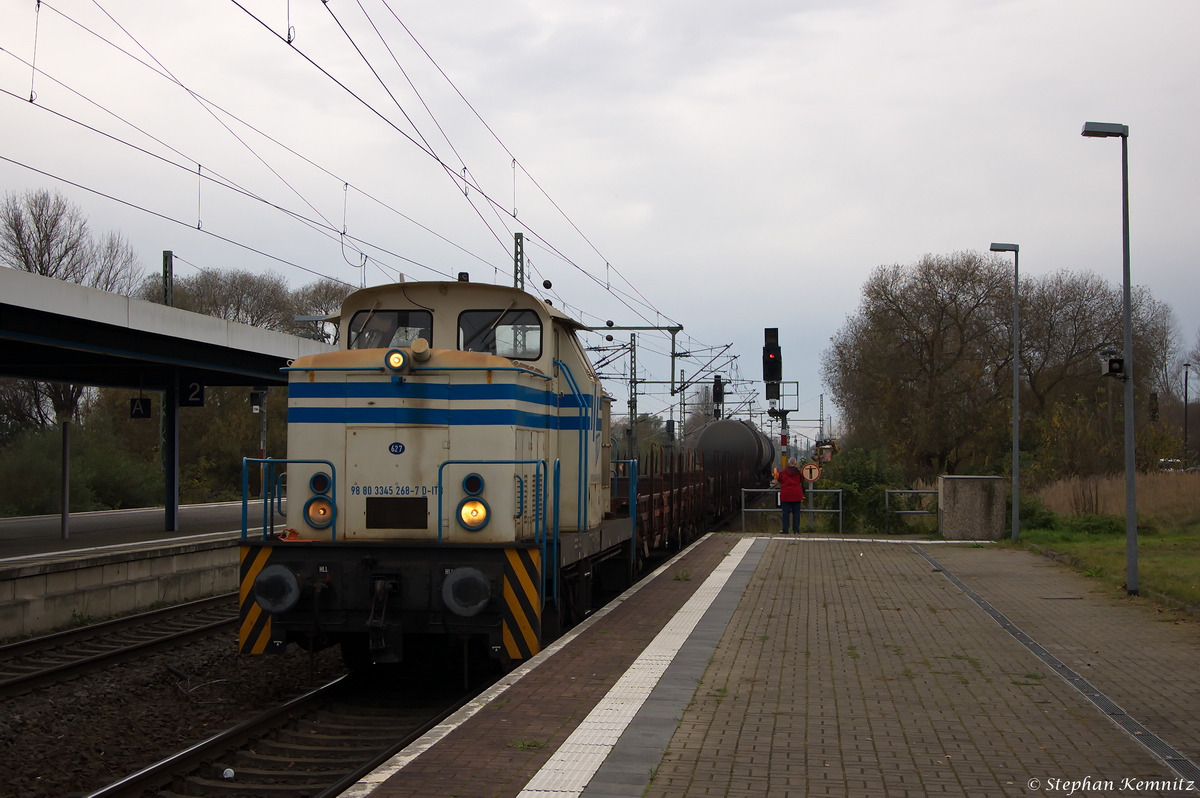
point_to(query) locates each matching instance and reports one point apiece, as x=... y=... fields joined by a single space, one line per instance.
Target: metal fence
x=811 y=511
x=888 y=512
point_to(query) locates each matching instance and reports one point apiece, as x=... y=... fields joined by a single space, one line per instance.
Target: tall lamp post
x=1186 y=369
x=1016 y=419
x=1108 y=130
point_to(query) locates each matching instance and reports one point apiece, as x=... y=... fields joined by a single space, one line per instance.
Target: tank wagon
x=741 y=439
x=450 y=474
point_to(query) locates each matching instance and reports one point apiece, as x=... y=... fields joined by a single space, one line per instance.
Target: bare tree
x=114 y=266
x=45 y=234
x=923 y=370
x=325 y=296
x=919 y=368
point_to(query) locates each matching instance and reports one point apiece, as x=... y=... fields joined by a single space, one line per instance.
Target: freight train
x=450 y=474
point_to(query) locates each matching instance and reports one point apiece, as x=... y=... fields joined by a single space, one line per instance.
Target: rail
x=810 y=510
x=38 y=661
x=888 y=512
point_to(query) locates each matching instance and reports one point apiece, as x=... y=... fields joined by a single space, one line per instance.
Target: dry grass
x=1170 y=497
x=1168 y=530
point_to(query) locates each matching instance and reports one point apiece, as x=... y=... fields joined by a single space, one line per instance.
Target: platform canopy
x=57 y=331
x=62 y=332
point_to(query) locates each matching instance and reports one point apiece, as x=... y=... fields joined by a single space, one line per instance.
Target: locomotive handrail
x=280 y=478
x=557 y=491
x=269 y=464
x=581 y=505
x=481 y=368
x=540 y=464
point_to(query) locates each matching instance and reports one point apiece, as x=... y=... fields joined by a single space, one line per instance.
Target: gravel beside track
x=51 y=658
x=77 y=736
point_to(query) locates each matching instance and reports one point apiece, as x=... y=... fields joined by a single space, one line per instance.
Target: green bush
x=1093 y=524
x=863 y=476
x=1034 y=514
x=104 y=475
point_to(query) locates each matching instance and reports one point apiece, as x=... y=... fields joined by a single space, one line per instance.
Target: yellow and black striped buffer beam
x=255 y=630
x=522 y=602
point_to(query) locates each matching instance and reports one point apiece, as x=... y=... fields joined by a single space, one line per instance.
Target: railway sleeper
x=248 y=761
x=273 y=748
x=332 y=740
x=196 y=785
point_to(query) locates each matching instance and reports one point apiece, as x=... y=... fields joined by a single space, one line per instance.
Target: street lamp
x=1108 y=130
x=1186 y=371
x=1016 y=421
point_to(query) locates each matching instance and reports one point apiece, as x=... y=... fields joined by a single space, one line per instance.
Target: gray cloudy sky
x=742 y=165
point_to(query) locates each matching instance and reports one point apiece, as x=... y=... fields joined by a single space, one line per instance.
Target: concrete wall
x=971 y=508
x=44 y=592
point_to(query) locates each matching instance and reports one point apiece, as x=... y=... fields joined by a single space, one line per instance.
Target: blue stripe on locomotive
x=434 y=391
x=435 y=416
x=430 y=416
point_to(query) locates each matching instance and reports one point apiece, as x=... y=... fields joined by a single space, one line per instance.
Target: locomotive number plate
x=393 y=490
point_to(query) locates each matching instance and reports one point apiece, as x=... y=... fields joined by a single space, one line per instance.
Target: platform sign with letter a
x=139 y=407
x=811 y=472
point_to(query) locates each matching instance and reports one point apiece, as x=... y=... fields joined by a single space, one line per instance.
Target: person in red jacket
x=791 y=494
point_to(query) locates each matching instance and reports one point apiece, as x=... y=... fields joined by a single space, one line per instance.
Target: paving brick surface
x=1143 y=657
x=497 y=751
x=858 y=670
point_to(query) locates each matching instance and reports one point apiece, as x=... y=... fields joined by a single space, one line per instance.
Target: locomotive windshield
x=515 y=334
x=376 y=329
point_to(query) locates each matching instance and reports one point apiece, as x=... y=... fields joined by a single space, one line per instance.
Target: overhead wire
x=171 y=219
x=424 y=149
x=210 y=112
x=223 y=182
x=206 y=102
x=515 y=160
x=249 y=126
x=428 y=147
x=624 y=297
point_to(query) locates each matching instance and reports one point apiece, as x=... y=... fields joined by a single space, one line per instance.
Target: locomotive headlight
x=396 y=359
x=473 y=513
x=318 y=512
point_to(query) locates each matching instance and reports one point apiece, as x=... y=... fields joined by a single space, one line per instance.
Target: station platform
x=797 y=666
x=42 y=534
x=113 y=562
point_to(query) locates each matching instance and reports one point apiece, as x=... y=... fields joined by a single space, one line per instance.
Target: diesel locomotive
x=450 y=474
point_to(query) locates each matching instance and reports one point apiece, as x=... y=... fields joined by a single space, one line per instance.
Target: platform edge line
x=371 y=781
x=568 y=774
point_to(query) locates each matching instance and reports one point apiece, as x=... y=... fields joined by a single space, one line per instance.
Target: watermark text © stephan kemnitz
x=1070 y=786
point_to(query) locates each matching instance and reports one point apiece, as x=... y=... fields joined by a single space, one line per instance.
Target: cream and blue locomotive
x=448 y=473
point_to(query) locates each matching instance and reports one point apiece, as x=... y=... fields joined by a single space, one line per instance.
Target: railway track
x=44 y=660
x=314 y=746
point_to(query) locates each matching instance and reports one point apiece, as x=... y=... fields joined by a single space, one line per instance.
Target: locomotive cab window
x=379 y=329
x=513 y=333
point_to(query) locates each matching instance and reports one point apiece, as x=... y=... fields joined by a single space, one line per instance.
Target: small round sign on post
x=811 y=472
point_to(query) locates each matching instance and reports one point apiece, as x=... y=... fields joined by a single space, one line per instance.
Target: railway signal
x=718 y=395
x=772 y=356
